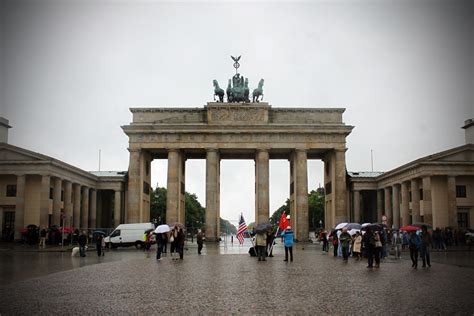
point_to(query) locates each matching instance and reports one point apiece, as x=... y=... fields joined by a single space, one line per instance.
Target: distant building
x=437 y=189
x=43 y=191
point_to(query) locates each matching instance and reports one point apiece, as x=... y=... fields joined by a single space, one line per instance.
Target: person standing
x=357 y=245
x=270 y=242
x=335 y=243
x=369 y=245
x=261 y=242
x=414 y=245
x=43 y=234
x=200 y=240
x=288 y=237
x=180 y=237
x=378 y=248
x=345 y=240
x=425 y=246
x=82 y=244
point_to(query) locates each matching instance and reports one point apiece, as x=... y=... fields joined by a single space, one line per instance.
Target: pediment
x=460 y=154
x=12 y=153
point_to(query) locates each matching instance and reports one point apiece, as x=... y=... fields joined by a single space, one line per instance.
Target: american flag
x=241 y=230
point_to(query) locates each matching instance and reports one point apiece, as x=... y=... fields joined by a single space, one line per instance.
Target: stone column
x=301 y=196
x=415 y=201
x=44 y=202
x=85 y=208
x=172 y=196
x=135 y=187
x=396 y=206
x=76 y=217
x=404 y=211
x=67 y=204
x=356 y=206
x=117 y=207
x=212 y=195
x=57 y=186
x=19 y=205
x=388 y=206
x=262 y=198
x=379 y=205
x=452 y=203
x=93 y=209
x=427 y=212
x=339 y=186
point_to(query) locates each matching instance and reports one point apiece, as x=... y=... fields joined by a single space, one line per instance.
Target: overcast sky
x=70 y=71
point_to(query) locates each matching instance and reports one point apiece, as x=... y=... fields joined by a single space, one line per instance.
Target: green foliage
x=194 y=212
x=275 y=218
x=316 y=208
x=227 y=227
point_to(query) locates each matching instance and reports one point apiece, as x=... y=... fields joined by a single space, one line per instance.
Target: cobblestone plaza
x=132 y=282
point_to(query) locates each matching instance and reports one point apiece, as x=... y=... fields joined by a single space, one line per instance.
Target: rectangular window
x=410 y=196
x=146 y=188
x=51 y=193
x=11 y=190
x=62 y=196
x=461 y=191
x=328 y=188
x=463 y=220
x=421 y=194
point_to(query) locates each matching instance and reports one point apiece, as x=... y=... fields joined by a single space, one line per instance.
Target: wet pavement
x=225 y=279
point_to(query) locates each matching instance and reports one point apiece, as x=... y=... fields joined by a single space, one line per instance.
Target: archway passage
x=237 y=131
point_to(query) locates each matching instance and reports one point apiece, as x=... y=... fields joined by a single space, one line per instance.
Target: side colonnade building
x=437 y=190
x=39 y=190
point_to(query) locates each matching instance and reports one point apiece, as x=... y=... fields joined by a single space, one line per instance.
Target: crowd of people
x=375 y=244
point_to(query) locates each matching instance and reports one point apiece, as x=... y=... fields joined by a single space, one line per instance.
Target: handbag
x=171 y=238
x=378 y=244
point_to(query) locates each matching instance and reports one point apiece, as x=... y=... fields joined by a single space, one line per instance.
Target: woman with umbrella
x=160 y=233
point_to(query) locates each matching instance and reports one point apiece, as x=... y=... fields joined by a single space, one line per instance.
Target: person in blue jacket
x=288 y=241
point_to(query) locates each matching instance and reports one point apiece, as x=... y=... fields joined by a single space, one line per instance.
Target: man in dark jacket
x=82 y=244
x=200 y=240
x=425 y=246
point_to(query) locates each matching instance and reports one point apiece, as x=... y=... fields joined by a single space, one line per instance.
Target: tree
x=275 y=218
x=316 y=208
x=158 y=205
x=227 y=227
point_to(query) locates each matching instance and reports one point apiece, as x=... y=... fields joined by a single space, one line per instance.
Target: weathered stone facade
x=237 y=131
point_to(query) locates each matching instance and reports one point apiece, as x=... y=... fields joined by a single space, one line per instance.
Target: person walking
x=200 y=240
x=345 y=240
x=173 y=237
x=414 y=245
x=82 y=244
x=335 y=243
x=261 y=242
x=159 y=245
x=357 y=245
x=288 y=237
x=398 y=245
x=180 y=238
x=425 y=246
x=98 y=244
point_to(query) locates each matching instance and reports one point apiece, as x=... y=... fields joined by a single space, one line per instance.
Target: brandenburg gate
x=237 y=131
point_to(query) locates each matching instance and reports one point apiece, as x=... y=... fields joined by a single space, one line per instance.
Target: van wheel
x=138 y=244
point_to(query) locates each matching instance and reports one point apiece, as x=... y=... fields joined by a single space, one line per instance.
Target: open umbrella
x=373 y=227
x=162 y=229
x=409 y=228
x=341 y=225
x=420 y=225
x=149 y=230
x=96 y=233
x=353 y=231
x=366 y=224
x=262 y=228
x=353 y=226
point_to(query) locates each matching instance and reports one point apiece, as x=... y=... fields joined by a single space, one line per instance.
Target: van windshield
x=115 y=233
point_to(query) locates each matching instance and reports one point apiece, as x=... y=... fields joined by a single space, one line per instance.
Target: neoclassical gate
x=238 y=131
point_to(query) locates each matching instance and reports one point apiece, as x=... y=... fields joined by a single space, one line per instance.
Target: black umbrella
x=353 y=226
x=96 y=233
x=373 y=227
x=262 y=228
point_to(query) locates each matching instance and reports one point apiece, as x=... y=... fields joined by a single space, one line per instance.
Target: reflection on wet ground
x=26 y=263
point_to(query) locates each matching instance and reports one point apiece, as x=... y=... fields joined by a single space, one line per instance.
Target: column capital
x=301 y=150
x=134 y=150
x=212 y=150
x=262 y=149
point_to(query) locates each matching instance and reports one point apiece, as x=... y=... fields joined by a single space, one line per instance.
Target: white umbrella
x=162 y=229
x=353 y=231
x=340 y=226
x=366 y=224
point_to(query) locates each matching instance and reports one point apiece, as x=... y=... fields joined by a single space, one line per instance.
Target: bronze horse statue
x=258 y=92
x=218 y=91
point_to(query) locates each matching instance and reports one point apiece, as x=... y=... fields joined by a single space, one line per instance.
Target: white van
x=128 y=235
